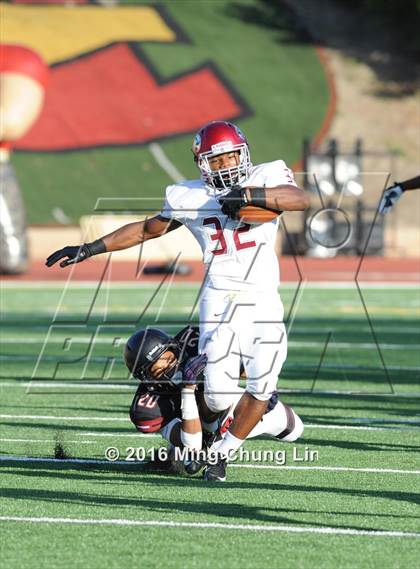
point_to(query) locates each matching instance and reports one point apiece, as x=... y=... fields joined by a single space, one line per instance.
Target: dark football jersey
x=152 y=409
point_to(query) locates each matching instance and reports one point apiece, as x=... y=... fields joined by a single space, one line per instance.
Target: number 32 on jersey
x=221 y=236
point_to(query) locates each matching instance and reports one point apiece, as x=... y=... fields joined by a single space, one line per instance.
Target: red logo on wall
x=115 y=96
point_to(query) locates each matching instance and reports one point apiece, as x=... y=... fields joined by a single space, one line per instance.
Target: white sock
x=275 y=422
x=272 y=423
x=229 y=444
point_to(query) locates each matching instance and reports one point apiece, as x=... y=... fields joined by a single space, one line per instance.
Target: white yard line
x=72 y=385
x=59 y=284
x=373 y=420
x=345 y=392
x=290 y=343
x=88 y=418
x=104 y=359
x=90 y=461
x=11 y=458
x=361 y=367
x=46 y=441
x=352 y=345
x=210 y=525
x=126 y=386
x=164 y=162
x=122 y=435
x=70 y=418
x=359 y=427
x=329 y=468
x=303 y=331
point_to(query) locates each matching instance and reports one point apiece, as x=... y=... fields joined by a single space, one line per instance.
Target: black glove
x=233 y=201
x=76 y=253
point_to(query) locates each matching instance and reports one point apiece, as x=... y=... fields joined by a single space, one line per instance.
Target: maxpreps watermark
x=279 y=457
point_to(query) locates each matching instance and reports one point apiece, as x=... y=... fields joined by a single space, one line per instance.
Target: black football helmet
x=143 y=349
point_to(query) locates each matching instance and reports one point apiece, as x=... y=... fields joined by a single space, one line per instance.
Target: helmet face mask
x=225 y=178
x=221 y=137
x=143 y=373
x=143 y=349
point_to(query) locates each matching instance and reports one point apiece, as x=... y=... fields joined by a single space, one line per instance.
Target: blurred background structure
x=131 y=82
x=23 y=78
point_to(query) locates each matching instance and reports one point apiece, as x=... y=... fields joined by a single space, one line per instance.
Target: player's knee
x=262 y=388
x=218 y=402
x=294 y=427
x=260 y=395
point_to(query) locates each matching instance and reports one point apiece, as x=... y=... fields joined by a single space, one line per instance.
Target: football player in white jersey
x=241 y=314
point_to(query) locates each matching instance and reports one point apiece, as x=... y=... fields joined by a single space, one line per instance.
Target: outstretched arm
x=411 y=184
x=122 y=238
x=134 y=233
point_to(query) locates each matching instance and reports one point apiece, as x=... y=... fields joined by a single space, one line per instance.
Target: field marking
x=91 y=461
x=46 y=441
x=295 y=332
x=70 y=385
x=373 y=420
x=211 y=525
x=348 y=393
x=59 y=284
x=71 y=418
x=127 y=420
x=100 y=462
x=361 y=367
x=126 y=386
x=357 y=427
x=105 y=359
x=291 y=343
x=163 y=161
x=328 y=468
x=122 y=435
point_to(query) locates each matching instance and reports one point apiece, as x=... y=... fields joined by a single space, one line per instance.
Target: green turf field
x=257 y=47
x=356 y=506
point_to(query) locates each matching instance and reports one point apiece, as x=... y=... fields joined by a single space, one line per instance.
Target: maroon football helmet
x=215 y=138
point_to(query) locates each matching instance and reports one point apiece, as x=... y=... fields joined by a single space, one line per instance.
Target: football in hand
x=255 y=215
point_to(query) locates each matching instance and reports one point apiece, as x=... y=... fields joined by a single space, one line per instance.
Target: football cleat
x=194 y=466
x=216 y=472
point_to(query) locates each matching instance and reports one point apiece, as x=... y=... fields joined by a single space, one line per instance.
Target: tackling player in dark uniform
x=170 y=374
x=171 y=388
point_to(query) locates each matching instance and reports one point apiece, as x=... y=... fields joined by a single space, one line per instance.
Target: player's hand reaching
x=390 y=197
x=76 y=253
x=193 y=368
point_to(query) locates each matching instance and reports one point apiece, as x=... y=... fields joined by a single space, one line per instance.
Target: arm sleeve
x=170 y=209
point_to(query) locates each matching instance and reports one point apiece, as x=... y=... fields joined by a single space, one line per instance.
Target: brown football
x=252 y=214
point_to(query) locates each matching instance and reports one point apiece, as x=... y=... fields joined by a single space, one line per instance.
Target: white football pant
x=241 y=327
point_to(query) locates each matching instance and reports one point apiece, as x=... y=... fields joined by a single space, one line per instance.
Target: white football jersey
x=238 y=256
